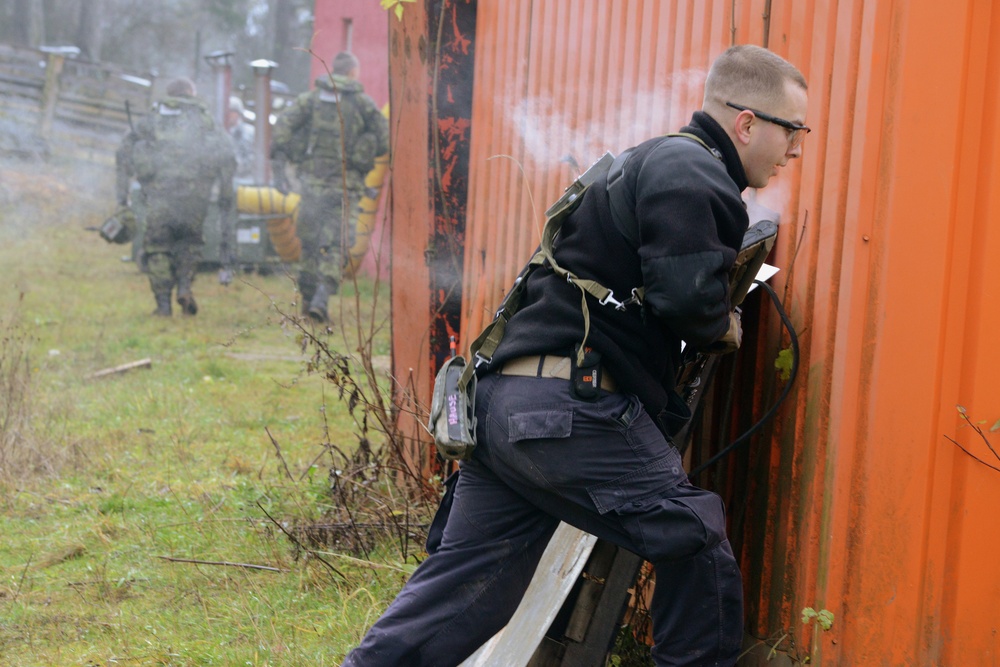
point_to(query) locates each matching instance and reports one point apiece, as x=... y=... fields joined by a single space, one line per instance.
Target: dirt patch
x=28 y=181
x=53 y=191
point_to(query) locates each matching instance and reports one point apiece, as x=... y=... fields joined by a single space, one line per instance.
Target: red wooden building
x=358 y=26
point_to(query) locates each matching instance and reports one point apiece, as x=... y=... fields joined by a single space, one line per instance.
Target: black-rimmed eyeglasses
x=796 y=132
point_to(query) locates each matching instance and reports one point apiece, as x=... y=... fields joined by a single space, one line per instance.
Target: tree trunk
x=287 y=44
x=88 y=29
x=29 y=24
x=283 y=13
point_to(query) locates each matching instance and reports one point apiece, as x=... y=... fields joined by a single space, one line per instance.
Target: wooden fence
x=68 y=106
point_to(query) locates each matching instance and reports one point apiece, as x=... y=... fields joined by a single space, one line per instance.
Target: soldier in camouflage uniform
x=332 y=135
x=177 y=154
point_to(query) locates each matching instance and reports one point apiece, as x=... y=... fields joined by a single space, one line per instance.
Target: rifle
x=128 y=114
x=227 y=242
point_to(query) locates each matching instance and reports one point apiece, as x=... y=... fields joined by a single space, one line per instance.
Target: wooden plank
x=11 y=85
x=19 y=108
x=557 y=572
x=87 y=117
x=100 y=124
x=50 y=94
x=596 y=573
x=142 y=363
x=24 y=74
x=603 y=617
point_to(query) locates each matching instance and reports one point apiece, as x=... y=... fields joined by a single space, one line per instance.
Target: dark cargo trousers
x=603 y=466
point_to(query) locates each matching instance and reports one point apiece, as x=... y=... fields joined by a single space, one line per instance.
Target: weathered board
x=557 y=572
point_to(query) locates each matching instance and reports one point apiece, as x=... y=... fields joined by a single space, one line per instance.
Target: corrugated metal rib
x=856 y=501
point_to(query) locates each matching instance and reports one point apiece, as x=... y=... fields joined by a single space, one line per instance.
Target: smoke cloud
x=549 y=128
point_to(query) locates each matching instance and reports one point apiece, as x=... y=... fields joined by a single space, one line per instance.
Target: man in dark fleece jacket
x=547 y=454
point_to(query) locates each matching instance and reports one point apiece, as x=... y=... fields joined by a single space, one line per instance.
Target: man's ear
x=742 y=125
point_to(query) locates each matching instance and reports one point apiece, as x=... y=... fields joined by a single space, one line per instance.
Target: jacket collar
x=711 y=132
x=339 y=84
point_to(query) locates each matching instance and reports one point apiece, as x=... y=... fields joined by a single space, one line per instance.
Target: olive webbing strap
x=489 y=340
x=586 y=286
x=692 y=137
x=592 y=287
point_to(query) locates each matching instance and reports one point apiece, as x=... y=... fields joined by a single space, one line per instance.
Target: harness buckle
x=635 y=298
x=610 y=298
x=503 y=304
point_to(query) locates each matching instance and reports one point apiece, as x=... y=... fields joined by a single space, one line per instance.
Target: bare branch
x=246 y=566
x=300 y=545
x=974 y=457
x=281 y=457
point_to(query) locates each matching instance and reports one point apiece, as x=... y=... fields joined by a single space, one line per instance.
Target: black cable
x=784 y=392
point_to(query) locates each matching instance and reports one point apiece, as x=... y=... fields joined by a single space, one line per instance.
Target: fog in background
x=169 y=38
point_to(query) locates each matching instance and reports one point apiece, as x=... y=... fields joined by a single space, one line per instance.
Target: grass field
x=149 y=517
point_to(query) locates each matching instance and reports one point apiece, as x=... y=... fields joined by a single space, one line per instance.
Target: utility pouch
x=452 y=420
x=119 y=228
x=585 y=379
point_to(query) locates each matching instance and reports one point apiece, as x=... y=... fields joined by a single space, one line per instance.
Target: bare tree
x=88 y=28
x=168 y=37
x=28 y=24
x=289 y=42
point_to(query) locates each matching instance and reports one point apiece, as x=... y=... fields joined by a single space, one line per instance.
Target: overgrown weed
x=220 y=506
x=24 y=447
x=376 y=493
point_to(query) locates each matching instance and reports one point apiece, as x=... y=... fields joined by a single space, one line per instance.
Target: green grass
x=108 y=485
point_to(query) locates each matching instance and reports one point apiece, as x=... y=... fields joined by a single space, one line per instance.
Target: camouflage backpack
x=323 y=125
x=176 y=143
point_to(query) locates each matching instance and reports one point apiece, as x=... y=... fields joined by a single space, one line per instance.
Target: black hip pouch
x=585 y=379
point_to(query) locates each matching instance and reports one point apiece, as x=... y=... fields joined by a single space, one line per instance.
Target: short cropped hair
x=180 y=87
x=750 y=75
x=344 y=62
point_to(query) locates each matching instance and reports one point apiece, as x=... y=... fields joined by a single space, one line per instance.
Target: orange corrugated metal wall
x=859 y=503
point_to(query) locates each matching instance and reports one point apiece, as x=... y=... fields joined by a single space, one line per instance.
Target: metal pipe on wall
x=222 y=77
x=262 y=123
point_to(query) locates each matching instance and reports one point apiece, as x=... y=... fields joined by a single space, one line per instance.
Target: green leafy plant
x=396 y=6
x=824 y=617
x=783 y=641
x=783 y=363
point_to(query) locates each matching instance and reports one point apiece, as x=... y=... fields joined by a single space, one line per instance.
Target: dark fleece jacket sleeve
x=690 y=227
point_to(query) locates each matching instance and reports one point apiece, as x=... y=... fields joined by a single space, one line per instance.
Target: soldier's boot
x=307 y=289
x=185 y=299
x=187 y=303
x=163 y=305
x=318 y=304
